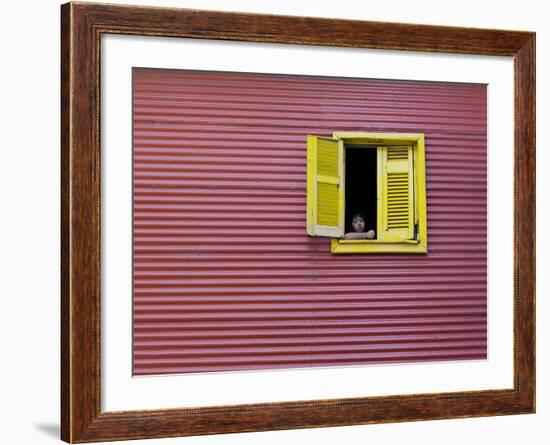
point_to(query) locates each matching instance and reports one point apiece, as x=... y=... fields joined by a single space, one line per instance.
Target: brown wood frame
x=82 y=25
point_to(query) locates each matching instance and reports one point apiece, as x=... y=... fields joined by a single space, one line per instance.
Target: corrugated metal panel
x=224 y=275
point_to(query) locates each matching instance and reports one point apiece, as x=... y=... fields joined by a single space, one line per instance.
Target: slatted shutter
x=398 y=216
x=325 y=187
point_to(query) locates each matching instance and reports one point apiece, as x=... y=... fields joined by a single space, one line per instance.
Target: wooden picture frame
x=82 y=25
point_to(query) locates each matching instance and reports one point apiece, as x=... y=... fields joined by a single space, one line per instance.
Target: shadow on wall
x=49 y=429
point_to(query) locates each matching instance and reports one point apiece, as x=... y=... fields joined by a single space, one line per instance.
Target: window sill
x=340 y=246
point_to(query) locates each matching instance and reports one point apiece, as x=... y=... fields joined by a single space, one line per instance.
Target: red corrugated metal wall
x=225 y=277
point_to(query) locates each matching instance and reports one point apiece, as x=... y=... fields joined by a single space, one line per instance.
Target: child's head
x=358 y=223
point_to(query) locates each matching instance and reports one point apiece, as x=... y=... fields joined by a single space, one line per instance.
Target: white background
x=29 y=181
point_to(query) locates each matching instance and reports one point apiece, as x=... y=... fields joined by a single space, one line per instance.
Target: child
x=358 y=229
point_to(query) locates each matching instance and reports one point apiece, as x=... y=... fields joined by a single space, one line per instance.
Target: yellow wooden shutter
x=398 y=218
x=325 y=187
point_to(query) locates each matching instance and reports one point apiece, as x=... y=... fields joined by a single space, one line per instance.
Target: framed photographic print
x=276 y=222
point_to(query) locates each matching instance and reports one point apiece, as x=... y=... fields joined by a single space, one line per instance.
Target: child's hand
x=371 y=234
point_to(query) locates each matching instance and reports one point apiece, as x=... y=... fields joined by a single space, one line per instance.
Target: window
x=380 y=176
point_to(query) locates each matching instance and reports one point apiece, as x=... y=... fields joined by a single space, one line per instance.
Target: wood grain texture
x=81 y=416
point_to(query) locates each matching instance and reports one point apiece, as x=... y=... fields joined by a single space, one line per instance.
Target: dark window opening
x=361 y=185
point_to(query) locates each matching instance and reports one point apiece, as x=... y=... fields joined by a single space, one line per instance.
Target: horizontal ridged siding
x=225 y=277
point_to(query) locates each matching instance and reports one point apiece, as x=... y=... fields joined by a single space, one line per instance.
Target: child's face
x=358 y=224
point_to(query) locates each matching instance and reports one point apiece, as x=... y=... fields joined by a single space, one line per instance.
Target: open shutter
x=325 y=187
x=397 y=194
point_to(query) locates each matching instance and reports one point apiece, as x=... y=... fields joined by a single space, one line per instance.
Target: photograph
x=242 y=181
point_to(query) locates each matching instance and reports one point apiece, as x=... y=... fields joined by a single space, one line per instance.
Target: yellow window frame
x=419 y=245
